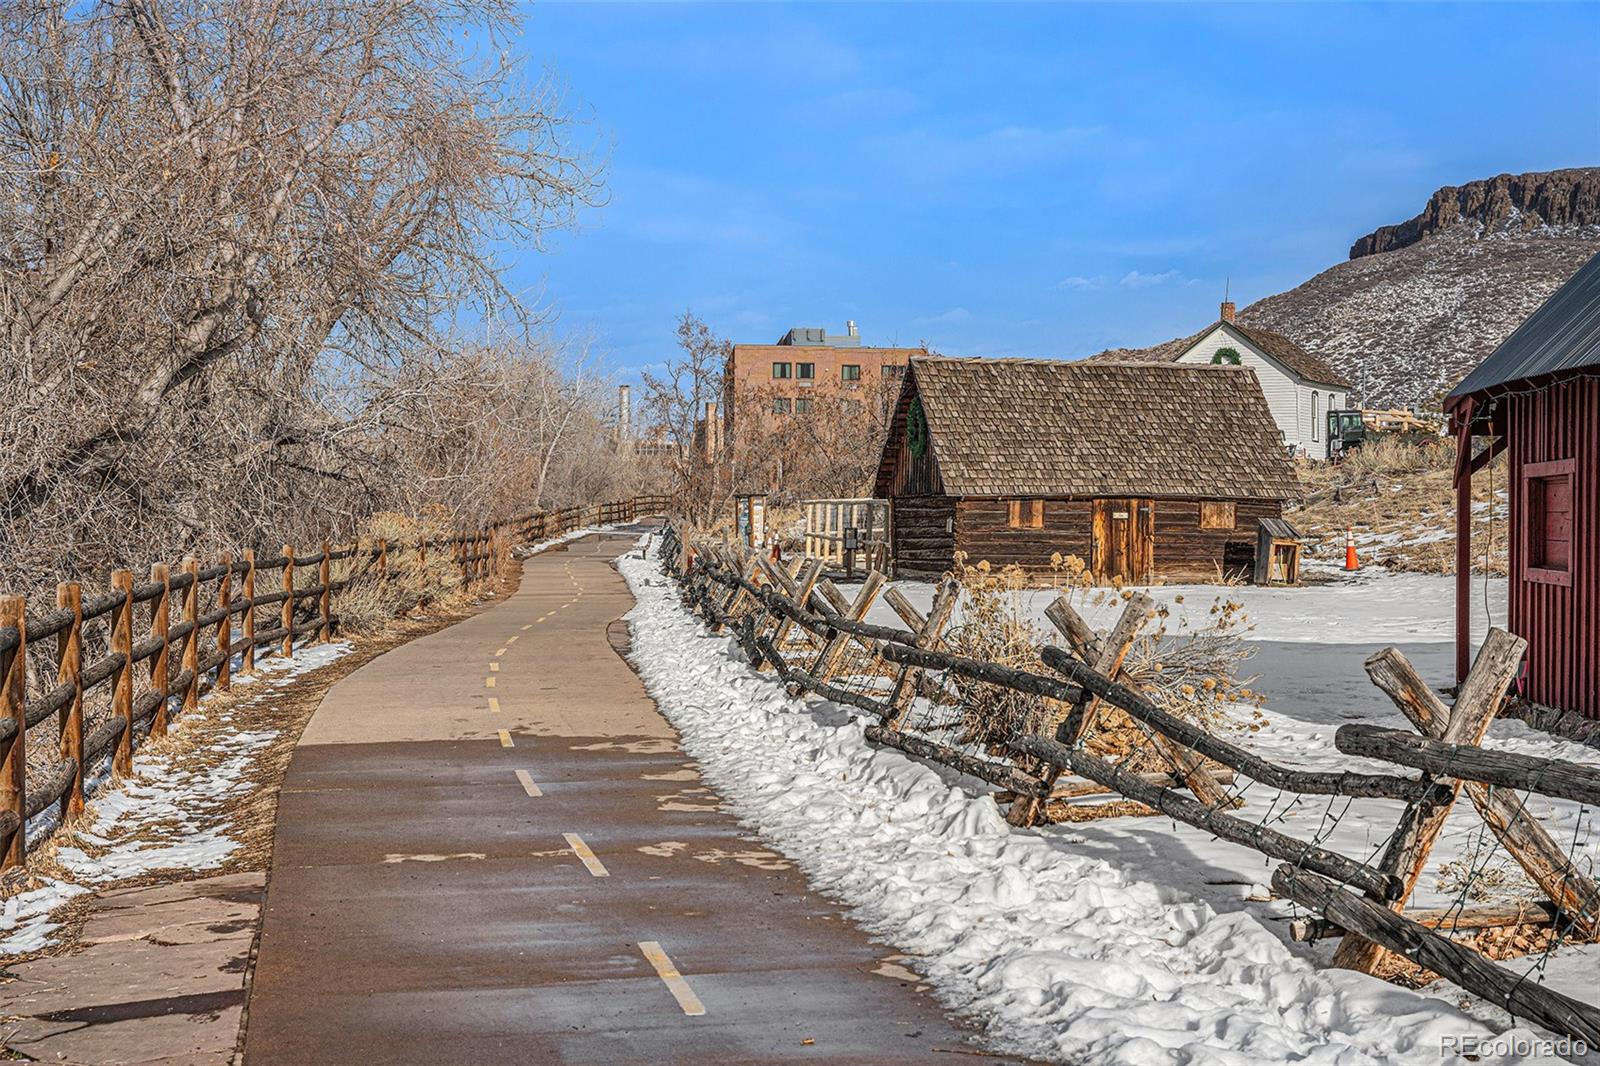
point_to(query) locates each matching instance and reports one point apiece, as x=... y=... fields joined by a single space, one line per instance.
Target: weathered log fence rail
x=221 y=618
x=791 y=622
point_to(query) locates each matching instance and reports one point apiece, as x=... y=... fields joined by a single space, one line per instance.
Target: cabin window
x=782 y=405
x=1547 y=521
x=1218 y=514
x=1025 y=514
x=850 y=372
x=780 y=371
x=805 y=371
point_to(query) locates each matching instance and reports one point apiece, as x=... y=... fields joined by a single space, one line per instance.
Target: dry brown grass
x=1194 y=674
x=371 y=602
x=1404 y=492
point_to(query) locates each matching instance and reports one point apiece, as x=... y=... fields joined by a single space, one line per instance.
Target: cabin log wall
x=924 y=544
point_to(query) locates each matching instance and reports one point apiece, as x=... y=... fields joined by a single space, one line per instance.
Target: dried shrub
x=370 y=602
x=996 y=627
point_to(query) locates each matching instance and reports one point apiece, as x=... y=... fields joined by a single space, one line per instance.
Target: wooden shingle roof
x=1040 y=427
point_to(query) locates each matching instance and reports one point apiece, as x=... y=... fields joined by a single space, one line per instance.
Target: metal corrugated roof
x=1563 y=334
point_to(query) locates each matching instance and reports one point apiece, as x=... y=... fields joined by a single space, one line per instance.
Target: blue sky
x=1044 y=180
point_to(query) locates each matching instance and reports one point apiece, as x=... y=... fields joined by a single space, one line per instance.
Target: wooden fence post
x=1139 y=609
x=14 y=695
x=224 y=635
x=247 y=665
x=122 y=688
x=1478 y=701
x=191 y=642
x=287 y=619
x=69 y=660
x=325 y=600
x=161 y=661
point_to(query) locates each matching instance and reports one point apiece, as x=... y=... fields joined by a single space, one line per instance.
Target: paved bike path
x=564 y=891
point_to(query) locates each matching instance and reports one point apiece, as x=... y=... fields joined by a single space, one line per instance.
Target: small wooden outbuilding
x=1146 y=471
x=1537 y=398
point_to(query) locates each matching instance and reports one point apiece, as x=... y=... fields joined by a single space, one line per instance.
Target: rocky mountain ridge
x=1420 y=303
x=1556 y=199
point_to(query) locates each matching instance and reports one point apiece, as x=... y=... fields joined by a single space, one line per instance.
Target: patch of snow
x=1366 y=606
x=167 y=814
x=1066 y=953
x=25 y=920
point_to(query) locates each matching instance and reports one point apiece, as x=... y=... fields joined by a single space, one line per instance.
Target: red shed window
x=1547 y=522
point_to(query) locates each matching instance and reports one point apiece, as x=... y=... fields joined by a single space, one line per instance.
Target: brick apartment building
x=786 y=379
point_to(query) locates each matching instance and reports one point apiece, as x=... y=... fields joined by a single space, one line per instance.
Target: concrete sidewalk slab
x=424 y=907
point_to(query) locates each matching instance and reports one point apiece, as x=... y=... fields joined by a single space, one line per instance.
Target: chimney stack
x=1227 y=310
x=850 y=328
x=713 y=431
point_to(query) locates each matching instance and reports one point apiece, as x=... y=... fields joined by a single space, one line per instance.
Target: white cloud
x=946 y=318
x=1135 y=279
x=1078 y=281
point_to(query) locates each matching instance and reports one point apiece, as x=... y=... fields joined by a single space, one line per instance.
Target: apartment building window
x=850 y=372
x=894 y=371
x=781 y=405
x=802 y=406
x=780 y=371
x=805 y=371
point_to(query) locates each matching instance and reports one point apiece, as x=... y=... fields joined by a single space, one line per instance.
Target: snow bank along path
x=1057 y=953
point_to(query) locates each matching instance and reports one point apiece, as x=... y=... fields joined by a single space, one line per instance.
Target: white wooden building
x=1300 y=388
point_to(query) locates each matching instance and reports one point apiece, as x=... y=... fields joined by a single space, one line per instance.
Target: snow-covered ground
x=169 y=814
x=1127 y=939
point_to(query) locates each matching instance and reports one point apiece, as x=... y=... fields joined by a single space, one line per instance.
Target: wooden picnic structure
x=795 y=624
x=1537 y=399
x=1145 y=471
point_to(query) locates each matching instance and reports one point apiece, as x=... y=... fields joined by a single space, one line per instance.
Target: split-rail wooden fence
x=227 y=610
x=1362 y=901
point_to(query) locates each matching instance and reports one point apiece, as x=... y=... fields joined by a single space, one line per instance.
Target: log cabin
x=1537 y=398
x=1145 y=471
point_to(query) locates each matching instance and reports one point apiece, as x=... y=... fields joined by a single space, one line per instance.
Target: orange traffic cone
x=1350 y=562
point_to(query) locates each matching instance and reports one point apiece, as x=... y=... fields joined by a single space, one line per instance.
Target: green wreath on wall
x=917 y=429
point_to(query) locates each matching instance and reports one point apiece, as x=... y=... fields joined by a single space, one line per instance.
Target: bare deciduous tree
x=674 y=405
x=236 y=232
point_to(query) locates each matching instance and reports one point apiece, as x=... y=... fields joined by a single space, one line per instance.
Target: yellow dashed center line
x=588 y=858
x=514 y=638
x=501 y=652
x=526 y=627
x=528 y=785
x=494 y=668
x=672 y=978
x=494 y=704
x=488 y=682
x=505 y=740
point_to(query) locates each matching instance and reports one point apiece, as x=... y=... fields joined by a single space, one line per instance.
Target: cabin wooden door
x=1124 y=540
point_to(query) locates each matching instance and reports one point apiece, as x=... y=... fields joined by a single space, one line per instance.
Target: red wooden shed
x=1538 y=399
